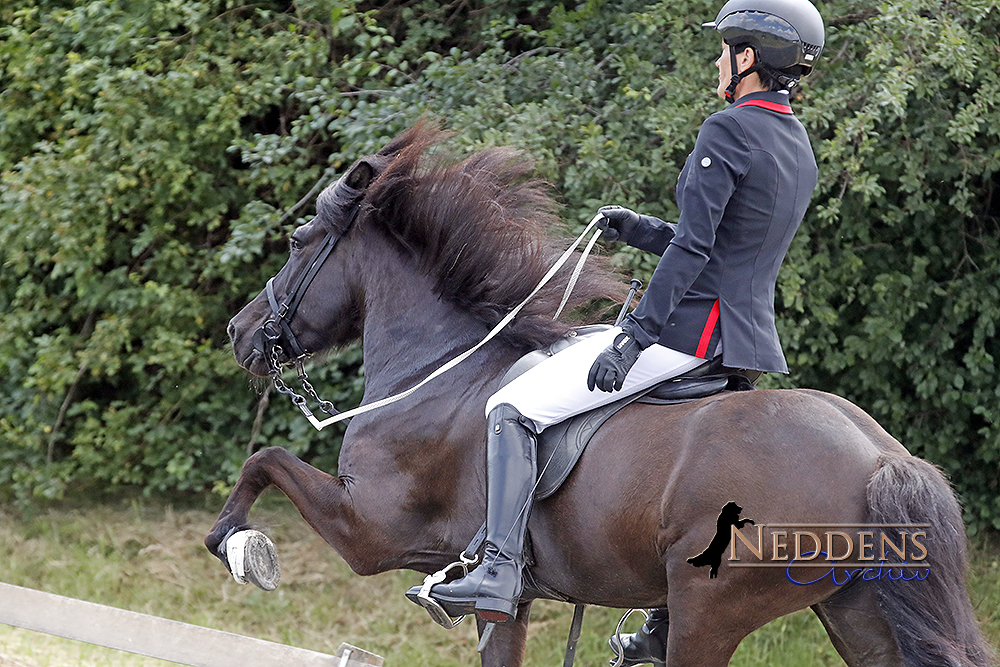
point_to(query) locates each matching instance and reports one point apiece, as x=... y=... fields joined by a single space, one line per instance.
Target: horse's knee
x=257 y=469
x=255 y=476
x=263 y=457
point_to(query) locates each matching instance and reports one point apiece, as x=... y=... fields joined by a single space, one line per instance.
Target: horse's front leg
x=505 y=647
x=317 y=495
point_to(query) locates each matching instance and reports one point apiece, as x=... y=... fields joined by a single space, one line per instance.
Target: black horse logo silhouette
x=730 y=516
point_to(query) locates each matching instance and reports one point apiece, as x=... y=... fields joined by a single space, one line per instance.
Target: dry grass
x=149 y=558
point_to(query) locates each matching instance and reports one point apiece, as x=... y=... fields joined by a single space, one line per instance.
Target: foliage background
x=154 y=155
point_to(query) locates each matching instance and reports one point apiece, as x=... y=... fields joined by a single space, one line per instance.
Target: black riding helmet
x=786 y=36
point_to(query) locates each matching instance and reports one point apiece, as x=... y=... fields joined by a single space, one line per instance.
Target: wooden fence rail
x=156 y=637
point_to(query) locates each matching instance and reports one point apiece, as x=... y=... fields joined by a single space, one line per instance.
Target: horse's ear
x=359 y=176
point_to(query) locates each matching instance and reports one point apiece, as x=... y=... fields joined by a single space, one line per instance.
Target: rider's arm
x=652 y=234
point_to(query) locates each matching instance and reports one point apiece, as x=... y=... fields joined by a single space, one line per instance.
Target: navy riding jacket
x=742 y=194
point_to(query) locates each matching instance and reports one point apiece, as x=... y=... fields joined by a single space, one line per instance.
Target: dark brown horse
x=428 y=257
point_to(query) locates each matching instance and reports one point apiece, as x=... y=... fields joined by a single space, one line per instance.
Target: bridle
x=272 y=337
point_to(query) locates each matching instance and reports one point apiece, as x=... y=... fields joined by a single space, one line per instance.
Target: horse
x=420 y=255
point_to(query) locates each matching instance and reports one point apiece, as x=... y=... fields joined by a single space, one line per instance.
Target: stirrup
x=616 y=639
x=433 y=607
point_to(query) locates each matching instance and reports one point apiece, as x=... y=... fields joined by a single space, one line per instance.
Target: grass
x=148 y=557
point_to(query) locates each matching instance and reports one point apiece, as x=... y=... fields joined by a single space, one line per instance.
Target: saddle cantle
x=560 y=445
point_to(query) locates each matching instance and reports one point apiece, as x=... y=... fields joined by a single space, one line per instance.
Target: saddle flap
x=560 y=445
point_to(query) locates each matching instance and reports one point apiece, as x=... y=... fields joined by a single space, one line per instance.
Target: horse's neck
x=409 y=332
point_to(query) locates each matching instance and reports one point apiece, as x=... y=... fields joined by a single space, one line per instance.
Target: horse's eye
x=294 y=244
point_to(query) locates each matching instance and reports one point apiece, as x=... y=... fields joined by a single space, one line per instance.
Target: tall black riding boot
x=493 y=588
x=649 y=645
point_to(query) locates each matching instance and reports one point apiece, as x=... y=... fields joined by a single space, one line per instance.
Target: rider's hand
x=618 y=223
x=613 y=364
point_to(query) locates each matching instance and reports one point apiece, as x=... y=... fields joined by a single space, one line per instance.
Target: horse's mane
x=481 y=229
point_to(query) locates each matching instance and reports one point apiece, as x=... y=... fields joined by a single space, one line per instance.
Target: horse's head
x=309 y=305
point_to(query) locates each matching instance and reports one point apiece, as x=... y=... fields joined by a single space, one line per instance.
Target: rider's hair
x=770 y=81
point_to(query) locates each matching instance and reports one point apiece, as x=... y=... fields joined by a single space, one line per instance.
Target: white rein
x=320 y=424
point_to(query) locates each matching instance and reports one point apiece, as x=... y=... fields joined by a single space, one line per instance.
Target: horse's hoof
x=253 y=558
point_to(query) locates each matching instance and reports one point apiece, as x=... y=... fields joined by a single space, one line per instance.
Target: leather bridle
x=277 y=329
x=275 y=339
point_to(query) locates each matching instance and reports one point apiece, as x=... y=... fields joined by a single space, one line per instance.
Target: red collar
x=770 y=106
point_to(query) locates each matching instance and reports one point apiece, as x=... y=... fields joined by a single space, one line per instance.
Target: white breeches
x=556 y=388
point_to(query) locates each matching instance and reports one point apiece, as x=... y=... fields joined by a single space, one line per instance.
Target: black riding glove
x=613 y=364
x=618 y=223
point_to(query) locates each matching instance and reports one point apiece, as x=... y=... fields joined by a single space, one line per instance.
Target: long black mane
x=482 y=229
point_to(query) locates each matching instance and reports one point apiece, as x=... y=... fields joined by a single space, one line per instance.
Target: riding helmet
x=787 y=35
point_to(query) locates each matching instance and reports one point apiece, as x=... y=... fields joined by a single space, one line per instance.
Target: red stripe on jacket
x=706 y=334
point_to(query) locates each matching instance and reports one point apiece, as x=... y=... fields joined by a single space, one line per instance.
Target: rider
x=741 y=194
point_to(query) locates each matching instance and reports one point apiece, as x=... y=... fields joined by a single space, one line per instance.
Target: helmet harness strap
x=739 y=76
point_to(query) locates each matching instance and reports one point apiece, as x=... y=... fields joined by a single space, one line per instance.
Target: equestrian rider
x=741 y=194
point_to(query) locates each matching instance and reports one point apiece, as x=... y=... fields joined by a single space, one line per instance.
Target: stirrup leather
x=617 y=646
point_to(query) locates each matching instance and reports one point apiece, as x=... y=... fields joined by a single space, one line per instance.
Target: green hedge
x=154 y=155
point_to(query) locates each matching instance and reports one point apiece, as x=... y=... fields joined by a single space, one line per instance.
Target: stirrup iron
x=433 y=607
x=619 y=650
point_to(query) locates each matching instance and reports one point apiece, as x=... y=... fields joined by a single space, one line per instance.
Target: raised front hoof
x=252 y=558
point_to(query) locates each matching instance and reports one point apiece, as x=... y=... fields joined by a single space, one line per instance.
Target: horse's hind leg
x=505 y=647
x=860 y=633
x=708 y=617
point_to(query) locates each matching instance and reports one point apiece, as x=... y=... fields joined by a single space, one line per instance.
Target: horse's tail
x=932 y=619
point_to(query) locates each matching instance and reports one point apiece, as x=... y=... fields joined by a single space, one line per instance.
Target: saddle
x=560 y=445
